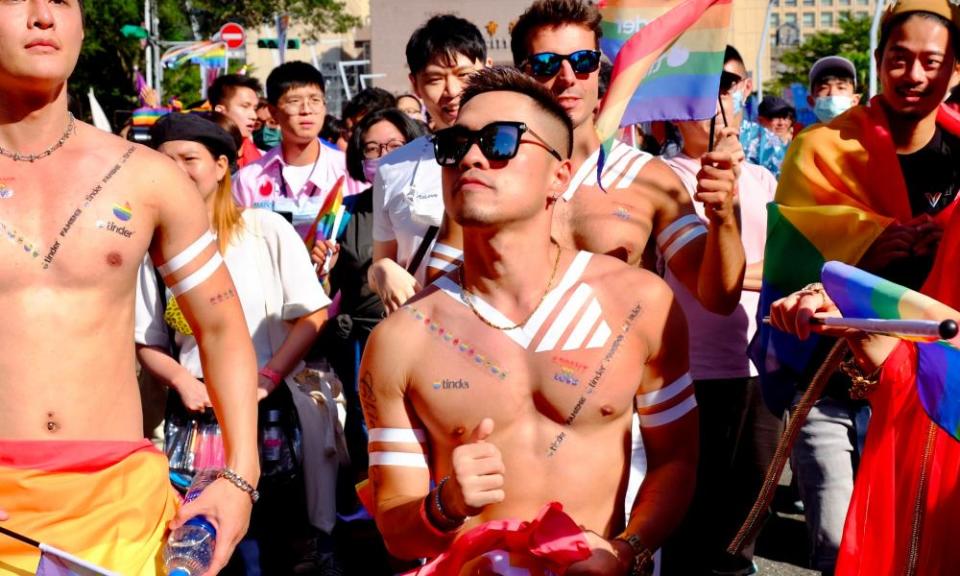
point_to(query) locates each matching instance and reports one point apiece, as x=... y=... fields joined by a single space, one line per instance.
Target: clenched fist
x=477 y=479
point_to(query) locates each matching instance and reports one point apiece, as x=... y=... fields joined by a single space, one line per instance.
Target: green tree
x=851 y=42
x=108 y=60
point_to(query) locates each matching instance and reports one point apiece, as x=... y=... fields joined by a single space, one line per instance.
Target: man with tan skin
x=79 y=211
x=644 y=199
x=538 y=360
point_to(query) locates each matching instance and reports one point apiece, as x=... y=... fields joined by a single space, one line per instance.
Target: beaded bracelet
x=444 y=523
x=238 y=481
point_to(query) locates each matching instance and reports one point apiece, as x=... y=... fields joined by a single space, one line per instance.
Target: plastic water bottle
x=189 y=549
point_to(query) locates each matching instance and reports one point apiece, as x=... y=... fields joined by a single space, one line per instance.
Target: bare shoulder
x=398 y=341
x=627 y=285
x=660 y=185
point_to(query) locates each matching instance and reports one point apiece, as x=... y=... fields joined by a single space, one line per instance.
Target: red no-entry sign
x=232 y=35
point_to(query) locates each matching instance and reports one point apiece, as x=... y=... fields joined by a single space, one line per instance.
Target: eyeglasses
x=294 y=105
x=376 y=149
x=547 y=64
x=498 y=141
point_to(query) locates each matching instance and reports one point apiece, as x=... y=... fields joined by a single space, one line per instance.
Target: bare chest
x=76 y=231
x=577 y=370
x=612 y=223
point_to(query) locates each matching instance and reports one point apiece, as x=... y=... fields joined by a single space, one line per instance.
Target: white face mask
x=829 y=107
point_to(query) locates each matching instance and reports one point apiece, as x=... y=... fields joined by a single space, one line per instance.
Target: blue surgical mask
x=737 y=97
x=829 y=107
x=370 y=168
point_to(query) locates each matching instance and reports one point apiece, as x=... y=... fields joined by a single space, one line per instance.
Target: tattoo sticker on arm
x=222 y=297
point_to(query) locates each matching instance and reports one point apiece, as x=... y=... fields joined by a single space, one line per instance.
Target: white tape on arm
x=448 y=251
x=402 y=459
x=186 y=255
x=670 y=414
x=407 y=435
x=199 y=276
x=665 y=393
x=441 y=265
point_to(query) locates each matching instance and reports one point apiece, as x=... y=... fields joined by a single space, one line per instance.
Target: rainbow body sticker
x=123 y=212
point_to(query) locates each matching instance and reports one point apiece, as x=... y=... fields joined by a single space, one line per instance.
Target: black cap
x=775 y=107
x=194 y=128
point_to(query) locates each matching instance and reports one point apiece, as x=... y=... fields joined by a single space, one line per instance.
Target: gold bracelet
x=860 y=386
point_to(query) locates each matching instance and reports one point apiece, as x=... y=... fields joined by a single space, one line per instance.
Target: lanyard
x=285 y=190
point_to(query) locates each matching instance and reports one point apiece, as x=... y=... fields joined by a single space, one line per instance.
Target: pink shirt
x=718 y=344
x=262 y=185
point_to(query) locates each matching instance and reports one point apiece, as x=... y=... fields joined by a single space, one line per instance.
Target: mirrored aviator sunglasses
x=547 y=64
x=498 y=141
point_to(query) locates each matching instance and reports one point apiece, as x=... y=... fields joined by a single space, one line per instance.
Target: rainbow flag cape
x=322 y=226
x=667 y=63
x=859 y=294
x=107 y=503
x=841 y=186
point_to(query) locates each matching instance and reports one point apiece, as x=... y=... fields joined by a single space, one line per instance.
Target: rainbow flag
x=108 y=503
x=322 y=226
x=146 y=116
x=859 y=294
x=841 y=186
x=667 y=58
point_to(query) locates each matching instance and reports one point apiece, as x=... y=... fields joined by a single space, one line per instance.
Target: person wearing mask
x=267 y=134
x=284 y=307
x=833 y=87
x=760 y=145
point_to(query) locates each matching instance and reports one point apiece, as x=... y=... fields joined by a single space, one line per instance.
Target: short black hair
x=332 y=128
x=552 y=14
x=899 y=19
x=732 y=53
x=444 y=36
x=410 y=128
x=225 y=86
x=509 y=79
x=290 y=75
x=368 y=100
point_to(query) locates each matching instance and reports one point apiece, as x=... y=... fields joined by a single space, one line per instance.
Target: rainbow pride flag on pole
x=667 y=58
x=859 y=294
x=322 y=226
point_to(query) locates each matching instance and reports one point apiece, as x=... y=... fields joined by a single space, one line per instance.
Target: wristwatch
x=642 y=556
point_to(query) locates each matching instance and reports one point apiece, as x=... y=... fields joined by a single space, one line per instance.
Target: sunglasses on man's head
x=547 y=64
x=498 y=141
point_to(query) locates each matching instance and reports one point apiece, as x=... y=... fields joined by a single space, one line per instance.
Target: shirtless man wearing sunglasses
x=538 y=360
x=557 y=43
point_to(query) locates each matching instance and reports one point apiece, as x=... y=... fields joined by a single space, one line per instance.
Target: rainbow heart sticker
x=123 y=213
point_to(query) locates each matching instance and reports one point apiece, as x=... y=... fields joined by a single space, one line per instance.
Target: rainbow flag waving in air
x=859 y=294
x=667 y=59
x=326 y=219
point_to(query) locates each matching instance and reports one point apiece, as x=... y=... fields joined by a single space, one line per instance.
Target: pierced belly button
x=52 y=425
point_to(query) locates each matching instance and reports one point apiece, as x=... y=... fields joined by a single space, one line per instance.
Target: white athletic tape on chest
x=448 y=251
x=442 y=265
x=669 y=415
x=199 y=276
x=402 y=459
x=407 y=435
x=186 y=255
x=665 y=393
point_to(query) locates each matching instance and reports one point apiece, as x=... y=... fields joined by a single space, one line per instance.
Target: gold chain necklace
x=18 y=157
x=467 y=298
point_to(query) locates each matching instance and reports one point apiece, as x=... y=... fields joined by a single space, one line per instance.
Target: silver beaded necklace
x=18 y=157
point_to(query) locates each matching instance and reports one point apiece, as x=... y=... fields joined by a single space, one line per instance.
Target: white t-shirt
x=275 y=282
x=718 y=344
x=408 y=199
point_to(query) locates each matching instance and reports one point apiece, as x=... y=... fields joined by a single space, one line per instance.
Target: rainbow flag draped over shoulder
x=859 y=294
x=106 y=503
x=841 y=186
x=667 y=58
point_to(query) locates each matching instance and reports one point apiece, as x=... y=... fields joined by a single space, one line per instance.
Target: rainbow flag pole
x=668 y=68
x=56 y=562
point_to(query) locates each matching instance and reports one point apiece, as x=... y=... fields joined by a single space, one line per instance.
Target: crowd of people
x=431 y=336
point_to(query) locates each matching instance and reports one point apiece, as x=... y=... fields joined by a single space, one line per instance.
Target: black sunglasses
x=728 y=80
x=547 y=64
x=498 y=141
